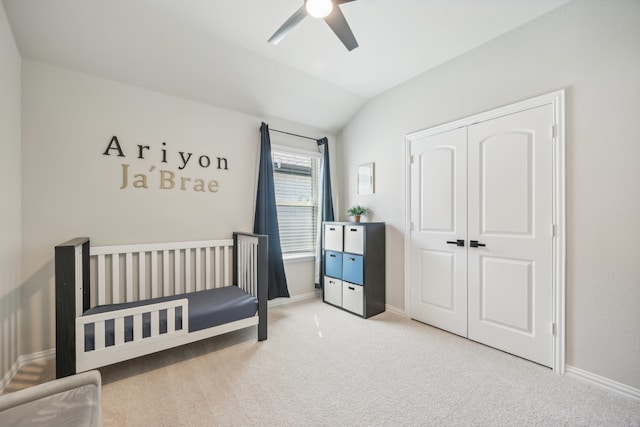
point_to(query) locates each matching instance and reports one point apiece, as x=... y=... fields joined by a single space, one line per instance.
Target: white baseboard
x=396 y=310
x=602 y=382
x=281 y=301
x=25 y=359
x=39 y=356
x=9 y=376
x=318 y=294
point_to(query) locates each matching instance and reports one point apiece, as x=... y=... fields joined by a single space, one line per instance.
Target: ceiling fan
x=330 y=11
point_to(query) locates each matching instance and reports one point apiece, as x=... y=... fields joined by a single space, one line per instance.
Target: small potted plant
x=357 y=211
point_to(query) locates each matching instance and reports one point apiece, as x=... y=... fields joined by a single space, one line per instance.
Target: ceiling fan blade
x=288 y=25
x=342 y=1
x=339 y=25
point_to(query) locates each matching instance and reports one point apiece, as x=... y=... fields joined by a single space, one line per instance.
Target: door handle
x=475 y=244
x=456 y=242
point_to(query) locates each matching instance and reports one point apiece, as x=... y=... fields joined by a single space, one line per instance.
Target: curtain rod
x=294 y=134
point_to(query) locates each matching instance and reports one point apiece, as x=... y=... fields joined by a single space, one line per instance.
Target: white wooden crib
x=114 y=303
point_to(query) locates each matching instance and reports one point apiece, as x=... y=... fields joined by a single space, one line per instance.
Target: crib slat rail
x=139 y=345
x=90 y=276
x=179 y=266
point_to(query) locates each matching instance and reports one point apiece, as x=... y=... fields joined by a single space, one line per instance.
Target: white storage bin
x=333 y=291
x=333 y=237
x=352 y=298
x=354 y=239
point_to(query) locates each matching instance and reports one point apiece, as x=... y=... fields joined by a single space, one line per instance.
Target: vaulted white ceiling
x=216 y=51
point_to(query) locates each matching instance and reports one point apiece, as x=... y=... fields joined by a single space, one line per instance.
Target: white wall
x=591 y=48
x=71 y=189
x=10 y=248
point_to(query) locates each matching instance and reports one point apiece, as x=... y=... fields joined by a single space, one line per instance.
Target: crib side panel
x=129 y=273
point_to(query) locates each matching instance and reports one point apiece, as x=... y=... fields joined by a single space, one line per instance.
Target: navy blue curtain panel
x=326 y=206
x=266 y=219
x=327 y=199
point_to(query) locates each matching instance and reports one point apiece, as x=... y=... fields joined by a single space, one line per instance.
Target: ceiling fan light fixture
x=327 y=9
x=319 y=8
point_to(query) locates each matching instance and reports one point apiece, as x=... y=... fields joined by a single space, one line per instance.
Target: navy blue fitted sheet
x=208 y=308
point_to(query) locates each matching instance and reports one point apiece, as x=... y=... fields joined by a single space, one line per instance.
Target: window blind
x=296 y=186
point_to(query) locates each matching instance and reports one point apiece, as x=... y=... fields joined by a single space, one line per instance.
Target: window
x=295 y=175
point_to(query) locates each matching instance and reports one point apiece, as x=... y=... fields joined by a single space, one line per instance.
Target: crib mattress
x=207 y=309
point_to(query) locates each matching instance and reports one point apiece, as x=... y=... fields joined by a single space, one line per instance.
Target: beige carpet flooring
x=322 y=366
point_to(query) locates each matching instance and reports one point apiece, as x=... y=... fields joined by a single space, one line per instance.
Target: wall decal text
x=167 y=179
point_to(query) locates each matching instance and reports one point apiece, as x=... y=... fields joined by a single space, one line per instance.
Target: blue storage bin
x=333 y=264
x=352 y=269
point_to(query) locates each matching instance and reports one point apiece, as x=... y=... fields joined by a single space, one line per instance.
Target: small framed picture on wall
x=366 y=178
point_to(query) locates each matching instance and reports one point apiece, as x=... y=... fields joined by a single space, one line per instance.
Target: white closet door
x=510 y=213
x=438 y=269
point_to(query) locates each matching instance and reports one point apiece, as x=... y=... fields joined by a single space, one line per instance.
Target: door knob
x=475 y=243
x=456 y=242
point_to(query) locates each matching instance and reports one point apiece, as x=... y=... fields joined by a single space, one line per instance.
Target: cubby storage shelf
x=354 y=266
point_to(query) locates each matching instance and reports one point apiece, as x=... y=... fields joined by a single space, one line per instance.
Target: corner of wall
x=10 y=204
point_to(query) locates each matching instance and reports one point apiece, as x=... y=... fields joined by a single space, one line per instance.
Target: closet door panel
x=438 y=273
x=510 y=218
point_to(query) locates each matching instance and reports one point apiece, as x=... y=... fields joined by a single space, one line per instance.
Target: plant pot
x=356 y=218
